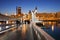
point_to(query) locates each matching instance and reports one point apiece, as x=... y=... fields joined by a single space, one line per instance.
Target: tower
x=34 y=15
x=29 y=11
x=18 y=10
x=35 y=10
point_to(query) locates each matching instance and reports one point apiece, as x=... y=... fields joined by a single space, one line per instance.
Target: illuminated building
x=18 y=10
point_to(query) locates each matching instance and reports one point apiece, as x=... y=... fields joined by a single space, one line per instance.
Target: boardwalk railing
x=41 y=34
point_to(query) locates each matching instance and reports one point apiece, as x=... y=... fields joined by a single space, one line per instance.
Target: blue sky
x=9 y=6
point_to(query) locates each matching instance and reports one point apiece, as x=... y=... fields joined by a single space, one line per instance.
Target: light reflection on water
x=24 y=28
x=51 y=24
x=52 y=28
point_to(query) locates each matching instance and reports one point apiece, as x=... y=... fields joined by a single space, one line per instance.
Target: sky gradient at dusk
x=9 y=6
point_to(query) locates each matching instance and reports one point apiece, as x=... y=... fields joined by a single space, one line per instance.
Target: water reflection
x=24 y=28
x=51 y=24
x=52 y=27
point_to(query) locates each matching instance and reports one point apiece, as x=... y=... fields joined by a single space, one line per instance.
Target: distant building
x=35 y=8
x=18 y=10
x=58 y=14
x=29 y=15
x=29 y=11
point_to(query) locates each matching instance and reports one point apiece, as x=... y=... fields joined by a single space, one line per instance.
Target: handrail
x=42 y=32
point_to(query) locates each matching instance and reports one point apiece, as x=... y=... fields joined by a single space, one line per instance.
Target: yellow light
x=52 y=27
x=12 y=22
x=6 y=22
x=12 y=25
x=0 y=23
x=49 y=22
x=43 y=23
